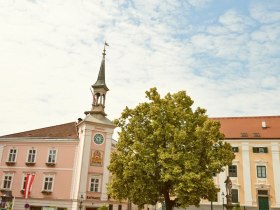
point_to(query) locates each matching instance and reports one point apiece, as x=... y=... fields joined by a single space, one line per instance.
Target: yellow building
x=255 y=171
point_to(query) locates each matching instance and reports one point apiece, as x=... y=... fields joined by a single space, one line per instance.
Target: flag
x=28 y=184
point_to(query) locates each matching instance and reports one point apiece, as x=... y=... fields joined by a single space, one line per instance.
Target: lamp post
x=223 y=197
x=6 y=200
x=81 y=202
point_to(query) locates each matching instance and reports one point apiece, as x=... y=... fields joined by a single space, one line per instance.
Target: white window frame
x=47 y=176
x=23 y=181
x=11 y=175
x=265 y=171
x=29 y=154
x=236 y=171
x=12 y=155
x=92 y=185
x=53 y=160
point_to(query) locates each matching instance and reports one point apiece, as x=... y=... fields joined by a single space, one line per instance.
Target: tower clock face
x=98 y=138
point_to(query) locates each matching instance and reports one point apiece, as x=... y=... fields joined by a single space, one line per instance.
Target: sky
x=224 y=53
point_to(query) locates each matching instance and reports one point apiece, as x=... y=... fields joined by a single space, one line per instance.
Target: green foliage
x=102 y=207
x=237 y=207
x=165 y=149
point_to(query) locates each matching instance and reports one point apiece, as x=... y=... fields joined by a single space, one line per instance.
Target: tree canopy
x=167 y=152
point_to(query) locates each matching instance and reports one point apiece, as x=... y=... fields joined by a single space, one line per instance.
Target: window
x=48 y=183
x=31 y=156
x=234 y=193
x=12 y=155
x=260 y=150
x=120 y=207
x=7 y=182
x=232 y=171
x=235 y=149
x=23 y=182
x=261 y=171
x=94 y=184
x=52 y=156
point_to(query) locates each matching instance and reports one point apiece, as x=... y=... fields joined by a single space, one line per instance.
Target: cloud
x=266 y=12
x=235 y=22
x=51 y=54
x=198 y=3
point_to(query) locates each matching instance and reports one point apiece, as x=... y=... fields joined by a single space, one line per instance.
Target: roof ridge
x=247 y=117
x=68 y=130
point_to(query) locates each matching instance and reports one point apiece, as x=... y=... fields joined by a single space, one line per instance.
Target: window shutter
x=265 y=150
x=255 y=150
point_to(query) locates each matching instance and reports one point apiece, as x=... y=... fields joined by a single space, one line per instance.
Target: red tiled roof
x=232 y=127
x=67 y=130
x=250 y=127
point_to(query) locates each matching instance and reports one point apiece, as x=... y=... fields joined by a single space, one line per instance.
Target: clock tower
x=94 y=149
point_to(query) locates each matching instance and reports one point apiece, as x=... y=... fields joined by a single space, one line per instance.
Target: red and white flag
x=28 y=184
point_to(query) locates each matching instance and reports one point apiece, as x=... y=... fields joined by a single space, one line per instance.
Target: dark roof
x=100 y=82
x=67 y=130
x=258 y=127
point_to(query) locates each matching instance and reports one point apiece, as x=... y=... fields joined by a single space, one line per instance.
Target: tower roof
x=100 y=83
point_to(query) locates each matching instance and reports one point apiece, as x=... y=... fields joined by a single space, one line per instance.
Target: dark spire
x=101 y=76
x=99 y=90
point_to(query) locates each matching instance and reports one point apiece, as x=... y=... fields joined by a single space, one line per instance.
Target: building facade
x=68 y=162
x=255 y=171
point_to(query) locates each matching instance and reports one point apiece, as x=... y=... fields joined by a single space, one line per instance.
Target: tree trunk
x=169 y=204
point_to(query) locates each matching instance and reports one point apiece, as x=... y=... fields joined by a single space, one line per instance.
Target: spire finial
x=104 y=50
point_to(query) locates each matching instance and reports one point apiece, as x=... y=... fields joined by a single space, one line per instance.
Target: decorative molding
x=262 y=186
x=264 y=162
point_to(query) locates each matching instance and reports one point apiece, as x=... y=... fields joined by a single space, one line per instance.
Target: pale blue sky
x=224 y=53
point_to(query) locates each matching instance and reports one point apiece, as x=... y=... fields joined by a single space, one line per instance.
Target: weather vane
x=105 y=44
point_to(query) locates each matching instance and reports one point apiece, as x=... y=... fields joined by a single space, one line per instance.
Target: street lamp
x=81 y=202
x=6 y=200
x=223 y=197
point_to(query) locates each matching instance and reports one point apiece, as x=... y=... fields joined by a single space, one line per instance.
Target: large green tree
x=167 y=152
